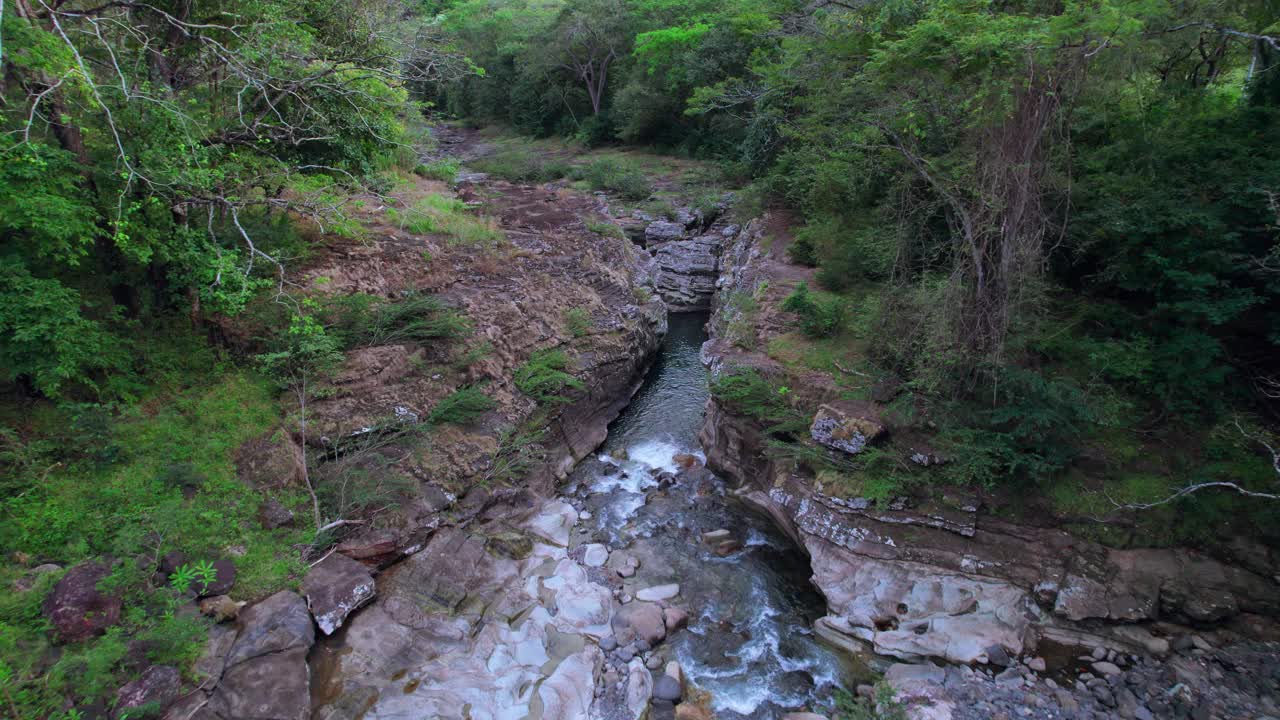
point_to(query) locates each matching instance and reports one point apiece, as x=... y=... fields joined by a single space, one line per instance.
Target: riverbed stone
x=643 y=619
x=665 y=687
x=658 y=593
x=595 y=555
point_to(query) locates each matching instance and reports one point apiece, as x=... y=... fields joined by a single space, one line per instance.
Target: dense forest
x=1054 y=227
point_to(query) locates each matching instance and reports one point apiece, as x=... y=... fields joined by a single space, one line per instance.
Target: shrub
x=617 y=176
x=543 y=377
x=1028 y=431
x=577 y=321
x=522 y=165
x=747 y=391
x=445 y=169
x=362 y=320
x=819 y=317
x=605 y=228
x=461 y=407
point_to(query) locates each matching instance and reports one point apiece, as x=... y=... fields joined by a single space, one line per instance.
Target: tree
x=592 y=35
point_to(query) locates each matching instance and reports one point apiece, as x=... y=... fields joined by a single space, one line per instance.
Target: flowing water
x=749 y=641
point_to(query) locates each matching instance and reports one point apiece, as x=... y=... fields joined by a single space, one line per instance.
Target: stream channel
x=749 y=640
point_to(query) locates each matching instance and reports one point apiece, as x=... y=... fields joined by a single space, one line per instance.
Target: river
x=749 y=641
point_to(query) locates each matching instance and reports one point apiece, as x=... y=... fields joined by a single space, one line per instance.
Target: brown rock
x=674 y=618
x=335 y=588
x=76 y=608
x=689 y=711
x=644 y=619
x=372 y=547
x=272 y=460
x=686 y=461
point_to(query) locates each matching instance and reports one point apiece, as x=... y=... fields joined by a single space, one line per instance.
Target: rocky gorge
x=657 y=560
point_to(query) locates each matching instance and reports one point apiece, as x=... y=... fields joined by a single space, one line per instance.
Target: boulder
x=273 y=514
x=643 y=619
x=639 y=689
x=158 y=686
x=76 y=608
x=595 y=555
x=279 y=623
x=841 y=430
x=335 y=588
x=274 y=686
x=686 y=461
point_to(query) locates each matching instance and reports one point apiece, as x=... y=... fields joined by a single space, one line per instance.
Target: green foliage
x=519 y=451
x=819 y=316
x=884 y=706
x=196 y=577
x=450 y=217
x=45 y=339
x=543 y=376
x=1028 y=432
x=577 y=321
x=461 y=407
x=746 y=391
x=444 y=169
x=605 y=228
x=414 y=318
x=625 y=178
x=522 y=165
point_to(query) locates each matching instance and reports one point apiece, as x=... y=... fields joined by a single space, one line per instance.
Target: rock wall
x=943 y=581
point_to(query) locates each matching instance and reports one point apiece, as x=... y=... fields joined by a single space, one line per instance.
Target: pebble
x=1037 y=664
x=608 y=643
x=584 y=515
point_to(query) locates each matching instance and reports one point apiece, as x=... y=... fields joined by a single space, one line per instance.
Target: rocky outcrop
x=76 y=608
x=335 y=587
x=685 y=272
x=662 y=231
x=1237 y=681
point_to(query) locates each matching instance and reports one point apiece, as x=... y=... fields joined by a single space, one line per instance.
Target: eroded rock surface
x=461 y=629
x=685 y=272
